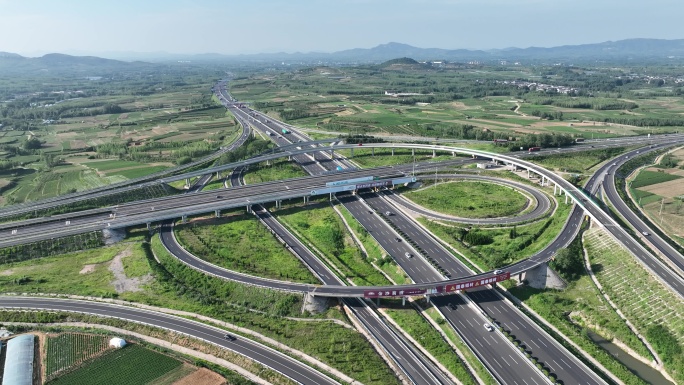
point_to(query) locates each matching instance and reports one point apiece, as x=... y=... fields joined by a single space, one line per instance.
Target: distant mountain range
x=637 y=50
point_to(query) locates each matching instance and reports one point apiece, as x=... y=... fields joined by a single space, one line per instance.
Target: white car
x=645 y=233
x=498 y=271
x=488 y=327
x=408 y=255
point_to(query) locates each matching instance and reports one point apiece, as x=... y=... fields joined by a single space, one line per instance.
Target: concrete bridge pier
x=279 y=204
x=543 y=179
x=149 y=225
x=184 y=219
x=249 y=209
x=528 y=173
x=373 y=151
x=392 y=151
x=434 y=153
x=555 y=187
x=332 y=154
x=306 y=199
x=352 y=152
x=187 y=182
x=289 y=158
x=315 y=305
x=542 y=277
x=413 y=152
x=218 y=176
x=217 y=213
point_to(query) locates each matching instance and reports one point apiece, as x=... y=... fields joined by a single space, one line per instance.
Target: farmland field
x=68 y=349
x=130 y=365
x=647 y=177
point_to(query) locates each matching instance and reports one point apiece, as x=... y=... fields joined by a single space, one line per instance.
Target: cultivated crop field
x=646 y=178
x=130 y=365
x=656 y=312
x=69 y=349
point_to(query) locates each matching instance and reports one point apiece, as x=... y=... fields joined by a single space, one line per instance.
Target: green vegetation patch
x=323 y=228
x=282 y=169
x=490 y=248
x=242 y=243
x=107 y=165
x=130 y=365
x=647 y=177
x=138 y=172
x=577 y=162
x=470 y=199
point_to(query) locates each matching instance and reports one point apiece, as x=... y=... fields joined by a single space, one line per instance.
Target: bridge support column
x=403 y=301
x=373 y=151
x=566 y=199
x=279 y=204
x=528 y=173
x=413 y=152
x=184 y=219
x=148 y=225
x=289 y=158
x=218 y=176
x=453 y=154
x=187 y=182
x=249 y=209
x=555 y=186
x=332 y=154
x=434 y=153
x=542 y=181
x=352 y=152
x=392 y=151
x=217 y=213
x=331 y=196
x=268 y=162
x=377 y=302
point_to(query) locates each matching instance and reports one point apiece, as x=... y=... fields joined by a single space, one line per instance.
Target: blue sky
x=36 y=27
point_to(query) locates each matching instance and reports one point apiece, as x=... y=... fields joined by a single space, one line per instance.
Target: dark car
x=230 y=337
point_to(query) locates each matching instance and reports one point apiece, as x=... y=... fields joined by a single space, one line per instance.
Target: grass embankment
x=241 y=243
x=468 y=199
x=490 y=248
x=651 y=307
x=323 y=228
x=282 y=169
x=376 y=254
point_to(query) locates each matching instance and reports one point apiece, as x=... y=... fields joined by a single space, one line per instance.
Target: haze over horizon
x=37 y=27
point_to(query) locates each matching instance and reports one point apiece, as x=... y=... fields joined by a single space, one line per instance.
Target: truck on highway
x=285 y=131
x=534 y=149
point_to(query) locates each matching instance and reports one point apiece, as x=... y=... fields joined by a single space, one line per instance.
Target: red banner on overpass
x=437 y=289
x=477 y=282
x=392 y=293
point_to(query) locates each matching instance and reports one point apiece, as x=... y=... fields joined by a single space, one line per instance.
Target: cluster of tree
x=587 y=103
x=475 y=237
x=360 y=138
x=669 y=161
x=542 y=140
x=8 y=164
x=251 y=148
x=569 y=262
x=555 y=115
x=665 y=343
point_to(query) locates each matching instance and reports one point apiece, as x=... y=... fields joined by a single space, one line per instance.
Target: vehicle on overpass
x=285 y=131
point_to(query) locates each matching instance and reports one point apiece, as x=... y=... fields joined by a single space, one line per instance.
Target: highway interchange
x=464 y=311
